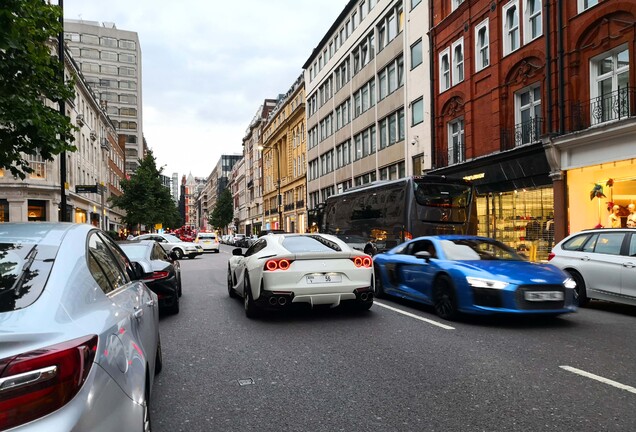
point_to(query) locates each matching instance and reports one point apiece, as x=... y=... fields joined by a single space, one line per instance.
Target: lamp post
x=280 y=197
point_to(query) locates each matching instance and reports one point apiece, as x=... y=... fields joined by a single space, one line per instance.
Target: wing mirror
x=426 y=256
x=237 y=252
x=138 y=270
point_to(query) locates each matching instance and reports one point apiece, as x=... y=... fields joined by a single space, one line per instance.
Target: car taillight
x=551 y=255
x=407 y=235
x=362 y=261
x=281 y=264
x=157 y=275
x=38 y=382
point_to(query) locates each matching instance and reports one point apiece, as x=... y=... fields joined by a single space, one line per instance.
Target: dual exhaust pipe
x=278 y=300
x=366 y=296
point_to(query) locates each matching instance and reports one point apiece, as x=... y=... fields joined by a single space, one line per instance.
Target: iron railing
x=527 y=132
x=612 y=106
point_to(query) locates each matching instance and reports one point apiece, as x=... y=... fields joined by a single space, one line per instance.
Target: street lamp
x=279 y=200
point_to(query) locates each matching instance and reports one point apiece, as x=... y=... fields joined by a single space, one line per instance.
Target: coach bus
x=378 y=216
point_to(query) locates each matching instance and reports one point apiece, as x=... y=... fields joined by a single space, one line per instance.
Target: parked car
x=162 y=274
x=208 y=241
x=173 y=244
x=227 y=239
x=251 y=240
x=478 y=275
x=271 y=231
x=282 y=269
x=80 y=332
x=602 y=262
x=238 y=240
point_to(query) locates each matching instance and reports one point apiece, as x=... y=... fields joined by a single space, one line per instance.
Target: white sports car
x=282 y=269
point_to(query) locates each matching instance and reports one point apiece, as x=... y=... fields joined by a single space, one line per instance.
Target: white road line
x=599 y=378
x=408 y=314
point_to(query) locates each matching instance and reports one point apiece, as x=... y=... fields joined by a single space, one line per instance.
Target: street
x=397 y=367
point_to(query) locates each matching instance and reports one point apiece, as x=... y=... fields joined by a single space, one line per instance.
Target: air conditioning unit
x=80 y=119
x=104 y=144
x=93 y=135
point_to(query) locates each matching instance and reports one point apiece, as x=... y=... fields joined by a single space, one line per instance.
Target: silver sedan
x=79 y=339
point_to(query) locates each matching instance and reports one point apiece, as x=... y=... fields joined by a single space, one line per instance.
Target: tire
x=445 y=299
x=146 y=424
x=251 y=310
x=178 y=253
x=230 y=283
x=174 y=308
x=158 y=358
x=378 y=289
x=580 y=293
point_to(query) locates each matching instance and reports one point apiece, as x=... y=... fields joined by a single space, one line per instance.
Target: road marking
x=599 y=378
x=408 y=314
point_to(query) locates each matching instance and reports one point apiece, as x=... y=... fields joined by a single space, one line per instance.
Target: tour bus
x=378 y=216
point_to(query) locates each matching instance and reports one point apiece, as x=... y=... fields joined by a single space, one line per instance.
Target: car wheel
x=158 y=357
x=444 y=298
x=174 y=308
x=178 y=253
x=580 y=293
x=379 y=287
x=230 y=283
x=146 y=404
x=251 y=310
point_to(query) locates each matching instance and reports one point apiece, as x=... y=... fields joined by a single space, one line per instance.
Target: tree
x=145 y=199
x=223 y=210
x=30 y=76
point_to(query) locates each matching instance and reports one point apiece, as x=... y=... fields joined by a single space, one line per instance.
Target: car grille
x=487 y=297
x=524 y=304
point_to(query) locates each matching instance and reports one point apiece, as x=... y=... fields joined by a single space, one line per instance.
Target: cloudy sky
x=209 y=64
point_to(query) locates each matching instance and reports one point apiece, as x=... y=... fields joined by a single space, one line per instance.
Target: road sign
x=86 y=189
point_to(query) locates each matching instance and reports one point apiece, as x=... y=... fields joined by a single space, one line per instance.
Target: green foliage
x=29 y=76
x=223 y=210
x=145 y=199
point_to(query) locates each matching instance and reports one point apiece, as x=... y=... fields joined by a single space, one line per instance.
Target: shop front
x=37 y=210
x=515 y=198
x=80 y=216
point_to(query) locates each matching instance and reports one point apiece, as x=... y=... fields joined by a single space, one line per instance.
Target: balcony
x=289 y=207
x=613 y=106
x=300 y=204
x=527 y=132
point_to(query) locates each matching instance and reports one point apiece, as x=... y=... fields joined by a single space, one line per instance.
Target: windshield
x=477 y=249
x=449 y=195
x=172 y=239
x=134 y=251
x=296 y=244
x=23 y=275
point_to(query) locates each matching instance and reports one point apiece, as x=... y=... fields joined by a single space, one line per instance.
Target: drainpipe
x=432 y=82
x=548 y=65
x=560 y=66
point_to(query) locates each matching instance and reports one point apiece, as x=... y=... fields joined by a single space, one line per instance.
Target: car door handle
x=150 y=303
x=585 y=258
x=138 y=313
x=629 y=265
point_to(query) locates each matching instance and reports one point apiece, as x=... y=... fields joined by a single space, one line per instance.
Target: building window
x=586 y=4
x=528 y=115
x=456 y=141
x=455 y=4
x=511 y=27
x=533 y=26
x=416 y=54
x=444 y=70
x=417 y=112
x=458 y=61
x=127 y=58
x=38 y=165
x=89 y=53
x=415 y=3
x=482 y=46
x=127 y=44
x=108 y=42
x=108 y=69
x=90 y=39
x=610 y=85
x=108 y=55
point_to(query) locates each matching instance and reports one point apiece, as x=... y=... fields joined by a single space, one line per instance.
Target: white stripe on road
x=599 y=378
x=408 y=314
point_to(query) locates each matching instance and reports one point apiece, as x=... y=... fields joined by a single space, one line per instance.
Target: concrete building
x=110 y=59
x=174 y=187
x=94 y=171
x=362 y=124
x=215 y=183
x=238 y=187
x=284 y=162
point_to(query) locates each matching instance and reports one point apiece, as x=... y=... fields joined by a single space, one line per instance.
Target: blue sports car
x=479 y=275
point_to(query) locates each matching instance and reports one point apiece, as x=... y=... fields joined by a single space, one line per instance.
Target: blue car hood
x=516 y=272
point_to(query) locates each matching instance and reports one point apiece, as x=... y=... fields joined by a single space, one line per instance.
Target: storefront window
x=4 y=210
x=521 y=219
x=37 y=210
x=80 y=216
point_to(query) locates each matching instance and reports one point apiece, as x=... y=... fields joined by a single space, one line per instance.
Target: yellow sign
x=158 y=226
x=475 y=176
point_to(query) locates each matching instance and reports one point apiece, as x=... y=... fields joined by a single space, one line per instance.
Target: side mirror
x=426 y=256
x=138 y=270
x=237 y=252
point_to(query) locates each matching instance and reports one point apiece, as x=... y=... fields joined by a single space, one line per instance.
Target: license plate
x=543 y=296
x=207 y=242
x=323 y=278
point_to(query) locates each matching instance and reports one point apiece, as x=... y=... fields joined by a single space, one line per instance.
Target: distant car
x=271 y=231
x=478 y=275
x=79 y=332
x=208 y=241
x=174 y=244
x=251 y=240
x=282 y=269
x=162 y=274
x=602 y=262
x=238 y=240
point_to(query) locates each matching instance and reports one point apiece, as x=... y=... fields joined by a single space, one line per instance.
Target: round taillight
x=271 y=265
x=357 y=261
x=366 y=261
x=283 y=264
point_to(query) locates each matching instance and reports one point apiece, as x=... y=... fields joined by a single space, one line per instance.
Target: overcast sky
x=209 y=64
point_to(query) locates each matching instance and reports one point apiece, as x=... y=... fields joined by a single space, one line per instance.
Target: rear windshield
x=442 y=195
x=24 y=270
x=296 y=244
x=134 y=251
x=207 y=236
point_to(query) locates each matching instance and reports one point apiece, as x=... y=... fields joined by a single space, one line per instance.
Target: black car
x=162 y=273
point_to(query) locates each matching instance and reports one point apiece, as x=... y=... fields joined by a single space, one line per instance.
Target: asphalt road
x=396 y=367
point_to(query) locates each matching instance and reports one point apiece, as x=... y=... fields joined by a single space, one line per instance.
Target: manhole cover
x=247 y=381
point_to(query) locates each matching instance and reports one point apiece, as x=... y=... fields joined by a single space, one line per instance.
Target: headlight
x=569 y=283
x=485 y=283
